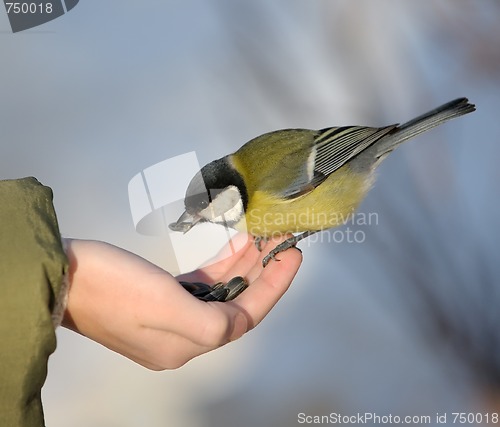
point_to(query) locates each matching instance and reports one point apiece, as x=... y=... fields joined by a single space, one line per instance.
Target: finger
x=228 y=255
x=257 y=268
x=229 y=259
x=247 y=263
x=265 y=291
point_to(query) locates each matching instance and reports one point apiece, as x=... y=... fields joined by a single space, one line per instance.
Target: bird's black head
x=212 y=180
x=216 y=194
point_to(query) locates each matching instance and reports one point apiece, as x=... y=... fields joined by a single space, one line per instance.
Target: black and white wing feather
x=333 y=147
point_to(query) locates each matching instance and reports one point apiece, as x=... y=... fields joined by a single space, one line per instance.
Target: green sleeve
x=32 y=270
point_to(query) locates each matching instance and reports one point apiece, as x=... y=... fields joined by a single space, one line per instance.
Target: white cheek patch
x=232 y=215
x=226 y=207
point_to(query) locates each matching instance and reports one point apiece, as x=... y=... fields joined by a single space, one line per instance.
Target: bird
x=299 y=181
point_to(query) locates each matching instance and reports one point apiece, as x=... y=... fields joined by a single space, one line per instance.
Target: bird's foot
x=259 y=241
x=291 y=242
x=282 y=247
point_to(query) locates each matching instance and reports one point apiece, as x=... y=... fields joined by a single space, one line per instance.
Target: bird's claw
x=219 y=291
x=258 y=242
x=282 y=247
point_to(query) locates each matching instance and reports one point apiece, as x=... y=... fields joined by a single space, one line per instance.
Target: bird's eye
x=203 y=204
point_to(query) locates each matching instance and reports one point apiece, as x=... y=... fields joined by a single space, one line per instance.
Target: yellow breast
x=329 y=205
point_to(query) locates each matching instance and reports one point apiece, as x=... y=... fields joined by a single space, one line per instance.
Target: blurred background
x=404 y=322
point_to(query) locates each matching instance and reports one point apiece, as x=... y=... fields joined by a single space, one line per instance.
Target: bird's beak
x=185 y=222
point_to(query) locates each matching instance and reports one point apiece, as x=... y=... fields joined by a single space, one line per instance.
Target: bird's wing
x=333 y=147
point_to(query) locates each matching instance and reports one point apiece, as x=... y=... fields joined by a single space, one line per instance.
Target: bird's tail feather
x=436 y=117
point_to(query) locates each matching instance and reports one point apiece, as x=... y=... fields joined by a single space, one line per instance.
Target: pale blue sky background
x=113 y=87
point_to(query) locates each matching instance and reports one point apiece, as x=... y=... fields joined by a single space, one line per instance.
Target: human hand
x=139 y=310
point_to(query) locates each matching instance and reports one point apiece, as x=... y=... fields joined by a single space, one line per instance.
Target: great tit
x=298 y=180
